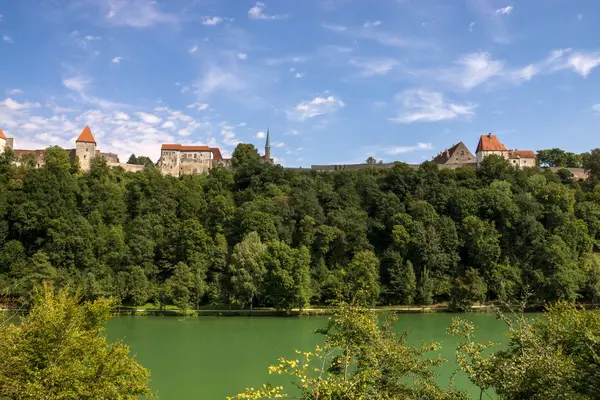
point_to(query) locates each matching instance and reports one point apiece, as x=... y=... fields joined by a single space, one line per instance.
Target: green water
x=213 y=357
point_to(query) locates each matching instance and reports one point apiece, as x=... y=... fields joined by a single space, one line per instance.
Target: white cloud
x=287 y=60
x=117 y=60
x=121 y=116
x=425 y=106
x=211 y=21
x=298 y=75
x=493 y=21
x=77 y=83
x=278 y=145
x=477 y=68
x=471 y=25
x=258 y=12
x=90 y=38
x=149 y=118
x=370 y=24
x=8 y=39
x=242 y=56
x=168 y=125
x=395 y=150
x=579 y=17
x=317 y=106
x=134 y=13
x=596 y=108
x=375 y=67
x=504 y=10
x=261 y=135
x=583 y=63
x=15 y=92
x=335 y=28
x=219 y=78
x=193 y=49
x=198 y=106
x=524 y=74
x=16 y=106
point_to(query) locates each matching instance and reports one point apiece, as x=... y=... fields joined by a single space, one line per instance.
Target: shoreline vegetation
x=258 y=236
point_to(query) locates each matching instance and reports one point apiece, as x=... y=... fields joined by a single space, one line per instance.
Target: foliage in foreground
x=59 y=351
x=360 y=360
x=555 y=357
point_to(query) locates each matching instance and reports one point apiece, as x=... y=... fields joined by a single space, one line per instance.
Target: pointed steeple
x=86 y=136
x=268 y=147
x=268 y=144
x=2 y=135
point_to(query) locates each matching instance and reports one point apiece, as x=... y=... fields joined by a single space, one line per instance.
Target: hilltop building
x=85 y=150
x=178 y=160
x=489 y=144
x=456 y=156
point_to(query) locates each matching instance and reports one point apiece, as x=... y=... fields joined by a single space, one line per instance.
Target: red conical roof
x=2 y=135
x=86 y=136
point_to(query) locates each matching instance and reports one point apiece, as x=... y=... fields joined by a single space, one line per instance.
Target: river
x=212 y=357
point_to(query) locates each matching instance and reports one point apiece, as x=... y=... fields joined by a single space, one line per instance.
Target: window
x=462 y=153
x=86 y=149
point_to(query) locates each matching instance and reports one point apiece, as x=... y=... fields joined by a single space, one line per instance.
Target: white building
x=489 y=144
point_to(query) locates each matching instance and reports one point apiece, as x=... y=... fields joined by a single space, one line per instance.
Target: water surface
x=213 y=357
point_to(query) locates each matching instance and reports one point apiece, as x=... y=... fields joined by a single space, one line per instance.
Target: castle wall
x=192 y=166
x=169 y=162
x=2 y=145
x=132 y=167
x=578 y=173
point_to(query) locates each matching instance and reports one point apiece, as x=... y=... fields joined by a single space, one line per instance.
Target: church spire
x=268 y=147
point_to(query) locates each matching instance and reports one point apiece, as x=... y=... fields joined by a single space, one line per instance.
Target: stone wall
x=578 y=173
x=132 y=167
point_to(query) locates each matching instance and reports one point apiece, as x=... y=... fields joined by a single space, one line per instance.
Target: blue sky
x=335 y=80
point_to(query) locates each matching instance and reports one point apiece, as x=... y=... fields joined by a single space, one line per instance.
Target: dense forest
x=263 y=235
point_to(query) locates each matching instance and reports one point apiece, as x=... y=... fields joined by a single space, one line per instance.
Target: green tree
x=179 y=286
x=360 y=359
x=247 y=269
x=555 y=357
x=244 y=154
x=60 y=351
x=403 y=282
x=362 y=279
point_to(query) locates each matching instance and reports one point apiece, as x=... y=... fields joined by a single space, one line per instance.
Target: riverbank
x=270 y=312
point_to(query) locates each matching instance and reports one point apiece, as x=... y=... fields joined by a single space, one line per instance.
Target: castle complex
x=175 y=159
x=460 y=156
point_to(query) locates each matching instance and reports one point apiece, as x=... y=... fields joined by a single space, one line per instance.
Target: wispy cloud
x=375 y=67
x=396 y=150
x=258 y=13
x=242 y=56
x=193 y=49
x=198 y=106
x=260 y=135
x=471 y=26
x=493 y=20
x=504 y=10
x=15 y=105
x=211 y=21
x=149 y=118
x=287 y=60
x=117 y=60
x=134 y=13
x=425 y=106
x=81 y=86
x=298 y=75
x=472 y=70
x=596 y=108
x=8 y=39
x=379 y=36
x=315 y=107
x=370 y=24
x=15 y=91
x=216 y=77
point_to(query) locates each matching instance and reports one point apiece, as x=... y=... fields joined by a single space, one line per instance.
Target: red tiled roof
x=521 y=154
x=216 y=153
x=170 y=147
x=86 y=136
x=2 y=136
x=489 y=142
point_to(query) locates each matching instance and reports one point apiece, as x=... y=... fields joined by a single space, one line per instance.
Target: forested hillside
x=267 y=236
